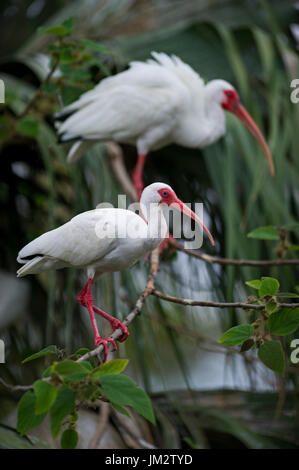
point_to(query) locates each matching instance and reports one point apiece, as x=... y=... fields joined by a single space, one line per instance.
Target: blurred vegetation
x=247 y=43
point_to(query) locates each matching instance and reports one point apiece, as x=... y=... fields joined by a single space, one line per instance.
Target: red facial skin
x=231 y=97
x=232 y=103
x=169 y=197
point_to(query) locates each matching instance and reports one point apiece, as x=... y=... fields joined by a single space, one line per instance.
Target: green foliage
x=264 y=233
x=271 y=354
x=27 y=418
x=236 y=335
x=45 y=396
x=67 y=383
x=43 y=352
x=279 y=321
x=28 y=126
x=115 y=366
x=268 y=286
x=122 y=390
x=65 y=29
x=284 y=322
x=69 y=439
x=62 y=407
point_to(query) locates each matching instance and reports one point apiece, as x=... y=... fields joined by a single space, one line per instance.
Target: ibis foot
x=105 y=342
x=166 y=245
x=114 y=322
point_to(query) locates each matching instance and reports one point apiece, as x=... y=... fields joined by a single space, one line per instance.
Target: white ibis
x=104 y=240
x=153 y=104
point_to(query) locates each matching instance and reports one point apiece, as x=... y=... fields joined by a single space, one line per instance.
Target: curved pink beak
x=247 y=120
x=185 y=209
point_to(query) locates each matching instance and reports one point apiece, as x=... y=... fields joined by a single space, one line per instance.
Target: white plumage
x=153 y=104
x=104 y=240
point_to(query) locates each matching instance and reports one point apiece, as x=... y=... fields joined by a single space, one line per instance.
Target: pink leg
x=167 y=244
x=84 y=298
x=137 y=174
x=114 y=322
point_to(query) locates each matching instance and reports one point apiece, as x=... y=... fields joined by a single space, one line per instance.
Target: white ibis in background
x=153 y=104
x=104 y=240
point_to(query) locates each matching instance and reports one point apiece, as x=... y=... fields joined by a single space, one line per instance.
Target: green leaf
x=271 y=354
x=284 y=322
x=236 y=335
x=69 y=25
x=115 y=366
x=45 y=396
x=50 y=88
x=27 y=419
x=256 y=284
x=81 y=352
x=271 y=307
x=60 y=31
x=47 y=372
x=66 y=56
x=120 y=409
x=28 y=126
x=68 y=367
x=43 y=352
x=123 y=391
x=264 y=233
x=95 y=46
x=269 y=286
x=69 y=439
x=63 y=406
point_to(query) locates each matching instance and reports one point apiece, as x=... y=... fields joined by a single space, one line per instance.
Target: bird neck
x=157 y=227
x=214 y=120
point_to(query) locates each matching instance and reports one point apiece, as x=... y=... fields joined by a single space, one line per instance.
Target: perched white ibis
x=153 y=104
x=104 y=240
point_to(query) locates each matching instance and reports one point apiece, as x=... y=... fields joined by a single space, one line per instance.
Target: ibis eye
x=229 y=94
x=164 y=193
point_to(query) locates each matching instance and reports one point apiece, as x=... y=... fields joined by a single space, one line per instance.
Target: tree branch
x=38 y=92
x=234 y=262
x=15 y=388
x=202 y=303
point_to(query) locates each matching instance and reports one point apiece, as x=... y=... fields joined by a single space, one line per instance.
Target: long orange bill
x=247 y=120
x=185 y=209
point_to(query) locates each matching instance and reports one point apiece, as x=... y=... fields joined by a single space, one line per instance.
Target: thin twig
x=38 y=92
x=15 y=388
x=234 y=262
x=202 y=303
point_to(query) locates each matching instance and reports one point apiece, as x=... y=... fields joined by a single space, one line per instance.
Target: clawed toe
x=105 y=342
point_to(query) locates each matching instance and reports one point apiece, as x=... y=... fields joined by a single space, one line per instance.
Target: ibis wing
x=75 y=243
x=127 y=105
